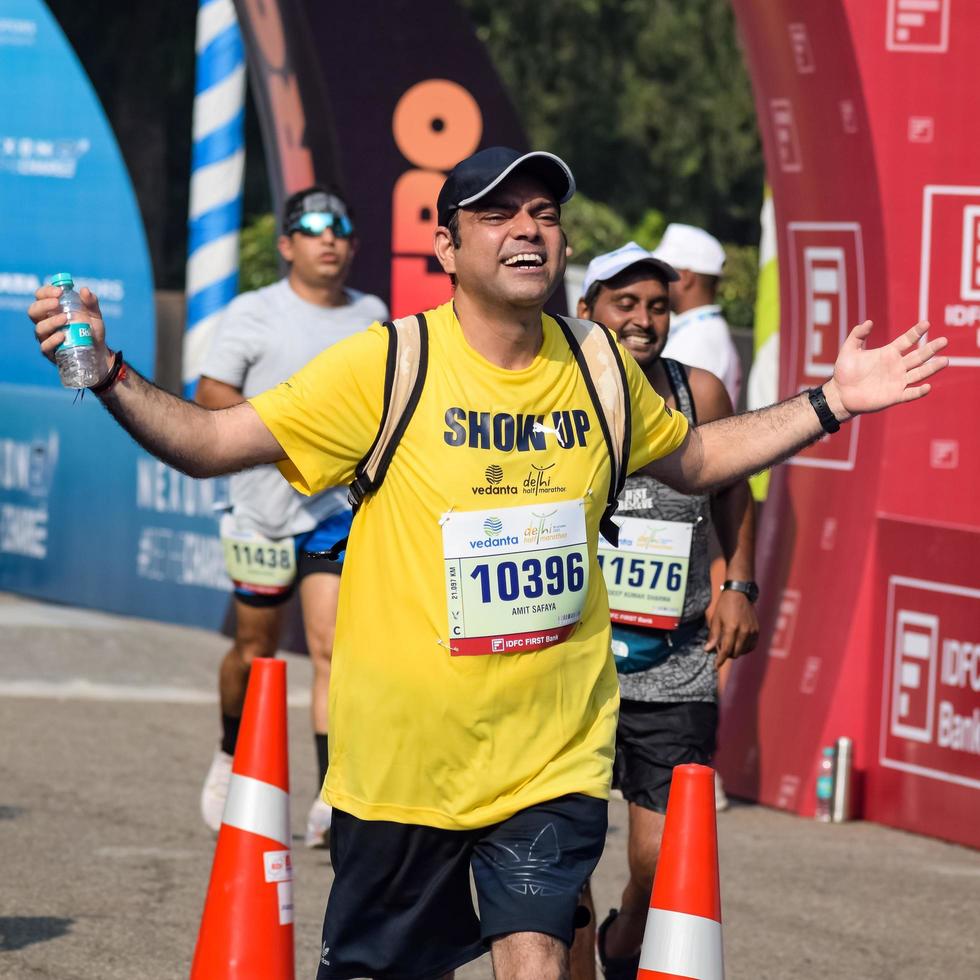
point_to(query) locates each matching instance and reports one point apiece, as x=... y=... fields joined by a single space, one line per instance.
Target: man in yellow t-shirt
x=474 y=697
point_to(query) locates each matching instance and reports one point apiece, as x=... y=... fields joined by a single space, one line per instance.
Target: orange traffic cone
x=247 y=927
x=682 y=940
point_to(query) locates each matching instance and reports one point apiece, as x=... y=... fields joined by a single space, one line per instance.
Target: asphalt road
x=107 y=726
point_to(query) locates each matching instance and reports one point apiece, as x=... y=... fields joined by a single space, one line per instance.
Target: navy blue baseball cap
x=480 y=173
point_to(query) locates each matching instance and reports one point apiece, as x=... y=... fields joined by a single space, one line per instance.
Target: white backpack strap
x=602 y=367
x=405 y=369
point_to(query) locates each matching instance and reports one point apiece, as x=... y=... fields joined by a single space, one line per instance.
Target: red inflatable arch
x=871 y=539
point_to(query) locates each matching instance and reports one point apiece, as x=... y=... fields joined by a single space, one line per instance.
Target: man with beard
x=474 y=704
x=668 y=667
x=273 y=533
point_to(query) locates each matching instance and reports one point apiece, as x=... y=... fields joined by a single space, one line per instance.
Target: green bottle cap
x=62 y=279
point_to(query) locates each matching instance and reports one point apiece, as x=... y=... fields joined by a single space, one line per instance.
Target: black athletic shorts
x=400 y=907
x=652 y=738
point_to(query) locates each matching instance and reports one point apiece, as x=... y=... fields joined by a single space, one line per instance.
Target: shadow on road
x=18 y=931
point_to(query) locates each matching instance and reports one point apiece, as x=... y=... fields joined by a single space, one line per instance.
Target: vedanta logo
x=495 y=542
x=495 y=479
x=492 y=526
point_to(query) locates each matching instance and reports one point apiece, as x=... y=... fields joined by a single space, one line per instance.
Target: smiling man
x=666 y=653
x=273 y=533
x=474 y=698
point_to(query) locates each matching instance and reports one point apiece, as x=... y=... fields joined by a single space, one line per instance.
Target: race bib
x=261 y=563
x=516 y=577
x=646 y=576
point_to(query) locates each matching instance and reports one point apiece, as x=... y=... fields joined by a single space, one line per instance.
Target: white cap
x=604 y=267
x=687 y=247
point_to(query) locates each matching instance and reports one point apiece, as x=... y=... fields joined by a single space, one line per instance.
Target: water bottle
x=76 y=358
x=825 y=784
x=843 y=806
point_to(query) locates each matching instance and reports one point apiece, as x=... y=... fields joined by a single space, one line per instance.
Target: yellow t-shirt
x=418 y=734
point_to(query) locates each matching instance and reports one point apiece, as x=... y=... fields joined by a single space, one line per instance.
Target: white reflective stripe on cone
x=683 y=945
x=258 y=807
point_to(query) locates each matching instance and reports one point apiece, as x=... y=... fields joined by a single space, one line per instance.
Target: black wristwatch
x=818 y=400
x=749 y=589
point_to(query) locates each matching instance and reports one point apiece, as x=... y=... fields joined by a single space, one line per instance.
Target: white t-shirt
x=263 y=338
x=701 y=338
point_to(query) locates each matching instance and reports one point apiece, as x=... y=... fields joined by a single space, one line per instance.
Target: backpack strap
x=680 y=385
x=405 y=370
x=599 y=360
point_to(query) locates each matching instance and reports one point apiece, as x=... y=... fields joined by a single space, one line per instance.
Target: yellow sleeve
x=657 y=431
x=326 y=416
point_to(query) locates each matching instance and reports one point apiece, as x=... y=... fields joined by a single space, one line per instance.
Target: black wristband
x=109 y=380
x=749 y=589
x=818 y=400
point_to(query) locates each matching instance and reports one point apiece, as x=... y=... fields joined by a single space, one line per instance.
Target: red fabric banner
x=869 y=143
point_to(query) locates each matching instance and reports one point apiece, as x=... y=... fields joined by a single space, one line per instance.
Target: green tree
x=592 y=228
x=258 y=256
x=648 y=100
x=736 y=292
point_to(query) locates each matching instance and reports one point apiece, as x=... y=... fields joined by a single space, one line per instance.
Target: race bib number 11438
x=516 y=578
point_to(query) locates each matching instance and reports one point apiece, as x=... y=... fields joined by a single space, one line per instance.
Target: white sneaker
x=721 y=800
x=318 y=824
x=215 y=790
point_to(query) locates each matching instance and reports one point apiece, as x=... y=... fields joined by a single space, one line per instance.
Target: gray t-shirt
x=262 y=338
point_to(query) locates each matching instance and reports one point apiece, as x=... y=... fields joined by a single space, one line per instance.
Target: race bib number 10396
x=516 y=577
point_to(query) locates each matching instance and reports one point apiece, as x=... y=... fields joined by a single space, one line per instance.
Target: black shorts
x=652 y=738
x=400 y=907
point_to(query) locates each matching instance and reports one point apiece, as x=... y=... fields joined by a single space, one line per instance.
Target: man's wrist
x=747 y=587
x=115 y=374
x=835 y=402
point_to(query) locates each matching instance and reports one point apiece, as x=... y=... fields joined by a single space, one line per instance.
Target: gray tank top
x=688 y=674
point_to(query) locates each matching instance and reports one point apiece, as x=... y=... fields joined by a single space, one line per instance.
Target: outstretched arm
x=865 y=380
x=192 y=439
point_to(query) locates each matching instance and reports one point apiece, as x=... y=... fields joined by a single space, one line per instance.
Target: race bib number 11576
x=646 y=576
x=516 y=578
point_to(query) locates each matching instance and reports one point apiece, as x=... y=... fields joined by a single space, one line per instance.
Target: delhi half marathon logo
x=492 y=526
x=542 y=529
x=540 y=481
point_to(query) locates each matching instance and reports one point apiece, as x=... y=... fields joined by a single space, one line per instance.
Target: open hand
x=871 y=379
x=49 y=321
